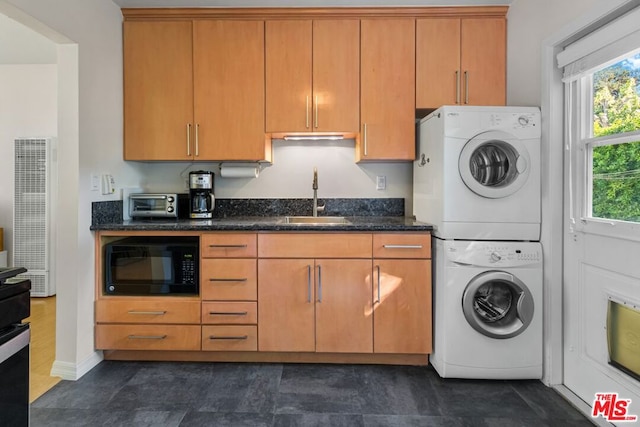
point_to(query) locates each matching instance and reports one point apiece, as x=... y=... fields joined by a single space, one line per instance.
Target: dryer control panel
x=493 y=254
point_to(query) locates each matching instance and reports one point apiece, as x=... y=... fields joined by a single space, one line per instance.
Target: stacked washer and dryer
x=477 y=180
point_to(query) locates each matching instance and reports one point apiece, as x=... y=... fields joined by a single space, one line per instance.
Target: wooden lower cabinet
x=315 y=305
x=402 y=306
x=147 y=337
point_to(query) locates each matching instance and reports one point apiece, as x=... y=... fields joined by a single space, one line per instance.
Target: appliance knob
x=495 y=257
x=523 y=120
x=170 y=209
x=170 y=199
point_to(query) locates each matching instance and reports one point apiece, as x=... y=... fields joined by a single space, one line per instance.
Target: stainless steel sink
x=316 y=220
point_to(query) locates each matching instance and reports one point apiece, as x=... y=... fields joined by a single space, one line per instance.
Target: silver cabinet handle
x=319 y=283
x=197 y=143
x=307 y=113
x=316 y=117
x=378 y=268
x=228 y=313
x=364 y=138
x=457 y=87
x=147 y=337
x=154 y=313
x=239 y=337
x=189 y=139
x=308 y=283
x=221 y=279
x=466 y=87
x=402 y=246
x=228 y=246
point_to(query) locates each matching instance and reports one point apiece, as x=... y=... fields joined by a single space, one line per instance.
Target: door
x=229 y=90
x=494 y=164
x=387 y=82
x=602 y=222
x=343 y=306
x=498 y=305
x=483 y=56
x=158 y=90
x=286 y=310
x=402 y=306
x=288 y=75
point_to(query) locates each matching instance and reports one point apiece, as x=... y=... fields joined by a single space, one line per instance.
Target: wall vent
x=32 y=213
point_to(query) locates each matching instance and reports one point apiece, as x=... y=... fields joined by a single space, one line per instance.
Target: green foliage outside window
x=616 y=168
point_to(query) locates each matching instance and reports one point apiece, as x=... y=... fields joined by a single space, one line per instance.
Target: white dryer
x=477 y=174
x=487 y=309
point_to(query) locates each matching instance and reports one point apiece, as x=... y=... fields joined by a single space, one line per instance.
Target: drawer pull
x=216 y=279
x=148 y=313
x=402 y=246
x=227 y=246
x=228 y=313
x=147 y=337
x=240 y=337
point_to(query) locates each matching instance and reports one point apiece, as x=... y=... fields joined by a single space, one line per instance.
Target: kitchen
x=98 y=126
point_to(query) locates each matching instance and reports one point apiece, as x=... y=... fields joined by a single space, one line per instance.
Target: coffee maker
x=201 y=200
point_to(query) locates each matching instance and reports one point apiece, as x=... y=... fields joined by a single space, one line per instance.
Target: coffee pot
x=201 y=198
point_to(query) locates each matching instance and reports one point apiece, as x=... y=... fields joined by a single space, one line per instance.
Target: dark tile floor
x=227 y=394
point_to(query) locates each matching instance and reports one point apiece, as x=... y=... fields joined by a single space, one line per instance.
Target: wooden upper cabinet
x=228 y=58
x=387 y=99
x=158 y=90
x=460 y=61
x=194 y=90
x=483 y=61
x=312 y=75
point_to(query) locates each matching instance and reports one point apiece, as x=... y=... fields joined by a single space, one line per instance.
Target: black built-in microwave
x=152 y=265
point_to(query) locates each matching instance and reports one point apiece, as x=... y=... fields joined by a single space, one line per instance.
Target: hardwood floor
x=43 y=345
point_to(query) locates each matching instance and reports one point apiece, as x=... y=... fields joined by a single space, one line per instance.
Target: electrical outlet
x=381 y=182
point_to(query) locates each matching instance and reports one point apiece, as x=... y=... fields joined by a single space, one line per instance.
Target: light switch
x=95 y=182
x=381 y=182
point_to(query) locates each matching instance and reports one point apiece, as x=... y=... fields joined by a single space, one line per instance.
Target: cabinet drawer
x=310 y=245
x=230 y=338
x=228 y=245
x=228 y=279
x=148 y=337
x=229 y=313
x=158 y=310
x=401 y=245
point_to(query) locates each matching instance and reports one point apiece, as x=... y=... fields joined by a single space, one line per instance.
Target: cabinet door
x=387 y=80
x=288 y=75
x=336 y=75
x=158 y=90
x=438 y=76
x=343 y=306
x=483 y=61
x=402 y=306
x=286 y=320
x=229 y=89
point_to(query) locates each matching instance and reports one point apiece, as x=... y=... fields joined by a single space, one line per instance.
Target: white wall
x=89 y=55
x=28 y=108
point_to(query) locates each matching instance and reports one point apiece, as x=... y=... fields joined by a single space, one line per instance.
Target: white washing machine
x=477 y=174
x=487 y=309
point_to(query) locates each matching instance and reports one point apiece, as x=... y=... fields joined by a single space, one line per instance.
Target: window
x=614 y=148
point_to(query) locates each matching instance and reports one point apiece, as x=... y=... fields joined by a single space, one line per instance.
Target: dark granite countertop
x=266 y=223
x=269 y=215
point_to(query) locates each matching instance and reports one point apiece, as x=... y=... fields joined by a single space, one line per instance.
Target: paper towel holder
x=240 y=170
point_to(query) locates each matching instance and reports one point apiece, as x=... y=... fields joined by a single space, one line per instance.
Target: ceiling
x=304 y=3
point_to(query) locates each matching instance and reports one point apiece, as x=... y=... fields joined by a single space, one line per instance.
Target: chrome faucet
x=316 y=208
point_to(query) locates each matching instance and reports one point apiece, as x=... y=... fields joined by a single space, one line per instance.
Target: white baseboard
x=74 y=371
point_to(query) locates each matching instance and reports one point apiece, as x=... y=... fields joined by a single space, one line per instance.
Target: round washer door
x=494 y=164
x=497 y=304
